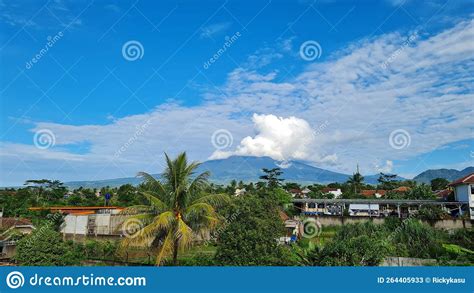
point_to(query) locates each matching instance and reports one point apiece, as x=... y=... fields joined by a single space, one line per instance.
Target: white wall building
x=464 y=191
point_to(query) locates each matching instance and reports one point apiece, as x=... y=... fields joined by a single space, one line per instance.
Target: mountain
x=247 y=169
x=449 y=174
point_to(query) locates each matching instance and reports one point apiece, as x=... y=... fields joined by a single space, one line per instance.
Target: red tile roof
x=328 y=189
x=468 y=179
x=402 y=189
x=372 y=192
x=6 y=223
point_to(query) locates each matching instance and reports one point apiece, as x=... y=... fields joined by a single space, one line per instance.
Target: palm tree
x=356 y=180
x=179 y=209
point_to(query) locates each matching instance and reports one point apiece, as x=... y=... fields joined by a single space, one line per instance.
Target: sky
x=101 y=89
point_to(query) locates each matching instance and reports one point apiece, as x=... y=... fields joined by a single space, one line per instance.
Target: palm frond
x=136 y=209
x=156 y=202
x=155 y=184
x=184 y=234
x=216 y=200
x=166 y=248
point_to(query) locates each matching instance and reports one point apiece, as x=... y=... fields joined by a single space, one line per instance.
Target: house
x=305 y=191
x=295 y=192
x=336 y=192
x=377 y=193
x=9 y=227
x=464 y=191
x=89 y=221
x=443 y=194
x=239 y=192
x=356 y=209
x=402 y=189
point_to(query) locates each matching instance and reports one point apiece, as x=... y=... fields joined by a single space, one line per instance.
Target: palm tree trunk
x=175 y=252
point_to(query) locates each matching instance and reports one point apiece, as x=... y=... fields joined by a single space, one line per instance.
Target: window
x=312 y=205
x=472 y=189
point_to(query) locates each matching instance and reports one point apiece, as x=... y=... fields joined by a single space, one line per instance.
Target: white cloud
x=386 y=168
x=427 y=90
x=277 y=137
x=211 y=30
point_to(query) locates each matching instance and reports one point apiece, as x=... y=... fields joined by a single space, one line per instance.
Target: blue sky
x=390 y=87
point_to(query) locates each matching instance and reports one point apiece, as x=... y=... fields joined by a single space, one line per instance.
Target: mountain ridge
x=245 y=168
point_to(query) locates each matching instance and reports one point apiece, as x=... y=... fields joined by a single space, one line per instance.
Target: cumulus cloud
x=353 y=100
x=277 y=137
x=385 y=168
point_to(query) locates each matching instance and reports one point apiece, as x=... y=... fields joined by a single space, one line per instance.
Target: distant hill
x=449 y=174
x=247 y=169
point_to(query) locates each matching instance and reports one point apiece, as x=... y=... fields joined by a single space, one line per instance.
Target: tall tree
x=179 y=209
x=272 y=177
x=439 y=184
x=355 y=181
x=387 y=181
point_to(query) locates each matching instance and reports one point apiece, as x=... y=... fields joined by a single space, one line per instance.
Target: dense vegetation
x=243 y=230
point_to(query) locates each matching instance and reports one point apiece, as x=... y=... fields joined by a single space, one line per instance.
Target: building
x=373 y=193
x=464 y=191
x=239 y=192
x=8 y=228
x=102 y=221
x=402 y=189
x=367 y=210
x=336 y=192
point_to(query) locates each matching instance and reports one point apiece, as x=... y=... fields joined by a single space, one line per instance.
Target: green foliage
x=415 y=239
x=355 y=181
x=44 y=247
x=357 y=251
x=439 y=184
x=431 y=213
x=251 y=238
x=272 y=177
x=422 y=191
x=387 y=181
